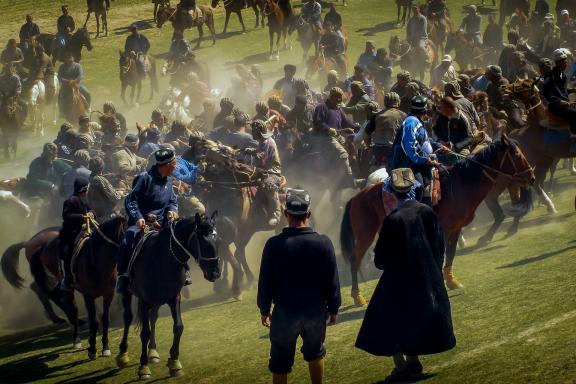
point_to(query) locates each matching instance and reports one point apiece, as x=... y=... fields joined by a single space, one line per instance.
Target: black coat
x=409 y=311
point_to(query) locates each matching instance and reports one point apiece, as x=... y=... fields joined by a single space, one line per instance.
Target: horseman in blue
x=65 y=25
x=415 y=150
x=152 y=194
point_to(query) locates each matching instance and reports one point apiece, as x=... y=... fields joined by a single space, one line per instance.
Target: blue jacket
x=151 y=193
x=415 y=142
x=185 y=171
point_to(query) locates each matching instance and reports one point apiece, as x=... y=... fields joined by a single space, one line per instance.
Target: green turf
x=514 y=320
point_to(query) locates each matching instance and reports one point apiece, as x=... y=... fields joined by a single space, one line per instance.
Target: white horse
x=175 y=105
x=38 y=104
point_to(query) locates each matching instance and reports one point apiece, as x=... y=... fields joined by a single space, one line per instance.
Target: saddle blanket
x=555 y=136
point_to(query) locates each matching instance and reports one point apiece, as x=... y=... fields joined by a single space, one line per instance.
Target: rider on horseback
x=139 y=44
x=556 y=92
x=13 y=54
x=312 y=14
x=417 y=33
x=71 y=74
x=74 y=212
x=28 y=31
x=152 y=194
x=179 y=47
x=499 y=100
x=65 y=26
x=334 y=47
x=471 y=25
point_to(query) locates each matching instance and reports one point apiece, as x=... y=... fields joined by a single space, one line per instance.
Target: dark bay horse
x=543 y=146
x=158 y=276
x=131 y=75
x=79 y=40
x=463 y=187
x=236 y=6
x=32 y=247
x=180 y=21
x=277 y=25
x=404 y=7
x=507 y=8
x=99 y=7
x=94 y=271
x=468 y=55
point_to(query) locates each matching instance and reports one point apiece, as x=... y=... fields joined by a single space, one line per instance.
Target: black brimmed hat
x=297 y=202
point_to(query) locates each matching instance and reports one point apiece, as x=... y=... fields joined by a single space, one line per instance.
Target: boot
x=123 y=282
x=449 y=279
x=276 y=212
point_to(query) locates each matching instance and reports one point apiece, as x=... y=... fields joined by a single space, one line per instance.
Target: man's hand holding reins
x=265 y=319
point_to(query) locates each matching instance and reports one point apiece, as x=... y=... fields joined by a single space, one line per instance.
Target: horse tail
x=10 y=265
x=347 y=242
x=38 y=271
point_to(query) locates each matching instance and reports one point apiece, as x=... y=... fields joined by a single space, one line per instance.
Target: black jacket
x=409 y=311
x=456 y=130
x=555 y=90
x=298 y=271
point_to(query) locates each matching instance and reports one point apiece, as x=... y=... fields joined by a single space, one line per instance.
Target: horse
x=277 y=25
x=157 y=4
x=100 y=13
x=73 y=103
x=507 y=7
x=463 y=187
x=13 y=114
x=322 y=64
x=543 y=146
x=74 y=45
x=438 y=32
x=33 y=247
x=131 y=75
x=180 y=21
x=307 y=36
x=158 y=276
x=406 y=7
x=236 y=6
x=468 y=54
x=409 y=56
x=39 y=101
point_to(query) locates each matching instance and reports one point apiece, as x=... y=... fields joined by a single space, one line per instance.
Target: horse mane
x=113 y=228
x=471 y=171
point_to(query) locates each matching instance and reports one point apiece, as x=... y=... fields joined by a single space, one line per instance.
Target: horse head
x=205 y=236
x=525 y=91
x=126 y=62
x=511 y=162
x=395 y=46
x=83 y=37
x=215 y=3
x=162 y=15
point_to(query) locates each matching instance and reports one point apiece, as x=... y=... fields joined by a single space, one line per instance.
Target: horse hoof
x=106 y=353
x=122 y=360
x=153 y=356
x=77 y=345
x=174 y=364
x=360 y=300
x=144 y=372
x=452 y=282
x=92 y=355
x=238 y=297
x=176 y=372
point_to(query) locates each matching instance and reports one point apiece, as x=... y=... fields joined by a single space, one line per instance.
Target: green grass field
x=514 y=320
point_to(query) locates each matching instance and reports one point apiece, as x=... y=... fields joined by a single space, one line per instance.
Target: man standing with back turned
x=299 y=275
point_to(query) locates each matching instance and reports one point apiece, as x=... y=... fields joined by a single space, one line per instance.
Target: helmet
x=419 y=104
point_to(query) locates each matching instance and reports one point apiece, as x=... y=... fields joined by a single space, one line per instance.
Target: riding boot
x=122 y=268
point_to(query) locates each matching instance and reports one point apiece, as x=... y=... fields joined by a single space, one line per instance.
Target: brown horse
x=12 y=116
x=406 y=7
x=438 y=32
x=33 y=247
x=180 y=21
x=463 y=187
x=93 y=267
x=236 y=6
x=74 y=104
x=277 y=25
x=157 y=4
x=543 y=146
x=468 y=54
x=131 y=75
x=99 y=7
x=507 y=7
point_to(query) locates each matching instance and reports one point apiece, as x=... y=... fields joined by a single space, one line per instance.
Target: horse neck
x=537 y=114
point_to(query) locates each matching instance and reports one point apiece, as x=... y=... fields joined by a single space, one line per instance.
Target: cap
x=447 y=58
x=259 y=127
x=392 y=99
x=452 y=89
x=545 y=62
x=83 y=118
x=419 y=104
x=153 y=133
x=494 y=70
x=564 y=12
x=131 y=139
x=358 y=86
x=472 y=8
x=297 y=202
x=80 y=185
x=402 y=180
x=559 y=54
x=164 y=156
x=290 y=67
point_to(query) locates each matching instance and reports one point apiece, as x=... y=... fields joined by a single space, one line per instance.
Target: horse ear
x=214 y=215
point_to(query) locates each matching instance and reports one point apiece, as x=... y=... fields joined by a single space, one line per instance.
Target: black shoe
x=415 y=367
x=122 y=284
x=65 y=284
x=188 y=280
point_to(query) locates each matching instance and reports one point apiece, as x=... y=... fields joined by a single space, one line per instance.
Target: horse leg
x=362 y=245
x=144 y=313
x=105 y=22
x=106 y=302
x=123 y=92
x=138 y=90
x=241 y=257
x=97 y=24
x=271 y=36
x=174 y=365
x=494 y=206
x=132 y=93
x=212 y=29
x=540 y=171
x=93 y=322
x=200 y=35
x=122 y=359
x=551 y=180
x=46 y=304
x=226 y=21
x=257 y=13
x=241 y=21
x=451 y=244
x=153 y=355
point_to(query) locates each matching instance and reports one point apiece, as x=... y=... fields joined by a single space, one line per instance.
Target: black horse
x=236 y=6
x=158 y=275
x=79 y=40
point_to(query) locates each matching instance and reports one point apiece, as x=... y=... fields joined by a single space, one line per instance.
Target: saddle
x=153 y=228
x=554 y=122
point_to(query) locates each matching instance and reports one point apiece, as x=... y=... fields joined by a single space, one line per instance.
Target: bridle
x=533 y=96
x=174 y=239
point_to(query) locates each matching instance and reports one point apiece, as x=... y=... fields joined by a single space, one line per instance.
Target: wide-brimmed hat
x=494 y=70
x=452 y=89
x=260 y=127
x=402 y=180
x=392 y=100
x=297 y=202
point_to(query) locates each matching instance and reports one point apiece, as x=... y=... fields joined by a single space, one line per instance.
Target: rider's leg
x=64 y=251
x=84 y=91
x=123 y=256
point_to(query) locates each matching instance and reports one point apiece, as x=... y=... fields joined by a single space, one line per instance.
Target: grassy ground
x=514 y=321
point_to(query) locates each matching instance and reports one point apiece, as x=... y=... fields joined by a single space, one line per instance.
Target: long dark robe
x=409 y=311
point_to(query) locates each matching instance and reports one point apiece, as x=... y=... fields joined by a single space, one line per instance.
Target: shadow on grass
x=419 y=378
x=534 y=259
x=34 y=368
x=382 y=27
x=141 y=24
x=483 y=10
x=477 y=247
x=92 y=377
x=52 y=336
x=257 y=58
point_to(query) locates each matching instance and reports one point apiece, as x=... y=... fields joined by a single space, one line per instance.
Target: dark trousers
x=423 y=173
x=382 y=155
x=126 y=249
x=285 y=327
x=566 y=113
